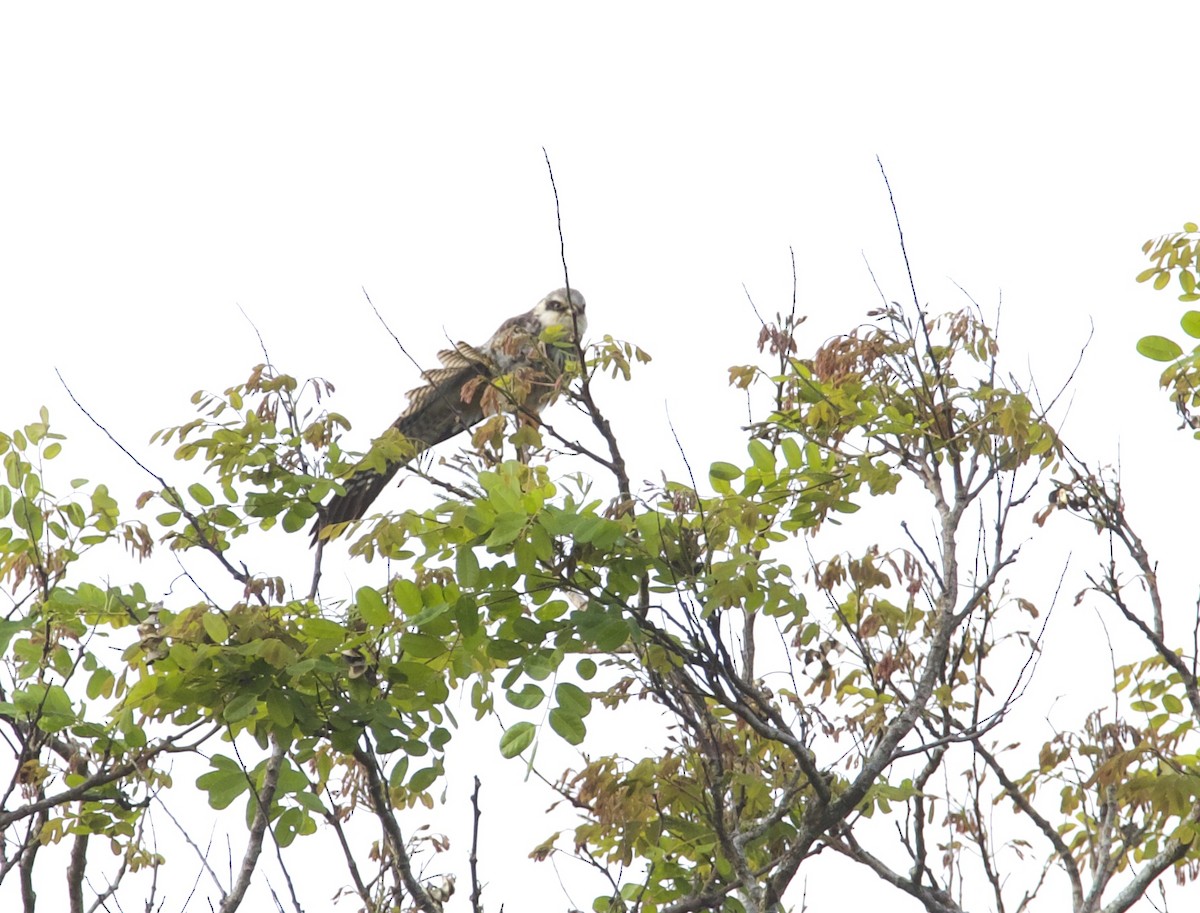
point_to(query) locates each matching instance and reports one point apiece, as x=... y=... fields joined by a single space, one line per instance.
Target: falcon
x=516 y=369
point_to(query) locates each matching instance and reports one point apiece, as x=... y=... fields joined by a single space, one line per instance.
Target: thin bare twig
x=176 y=501
x=616 y=462
x=476 y=889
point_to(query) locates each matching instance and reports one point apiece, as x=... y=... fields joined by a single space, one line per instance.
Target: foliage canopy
x=809 y=693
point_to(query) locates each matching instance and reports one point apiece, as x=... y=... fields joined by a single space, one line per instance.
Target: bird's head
x=559 y=309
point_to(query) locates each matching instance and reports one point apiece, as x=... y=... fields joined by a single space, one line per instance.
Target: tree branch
x=262 y=816
x=382 y=806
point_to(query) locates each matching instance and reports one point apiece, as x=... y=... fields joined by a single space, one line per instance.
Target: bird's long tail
x=448 y=403
x=436 y=413
x=362 y=489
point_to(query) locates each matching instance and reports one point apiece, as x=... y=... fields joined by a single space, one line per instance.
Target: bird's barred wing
x=450 y=399
x=448 y=402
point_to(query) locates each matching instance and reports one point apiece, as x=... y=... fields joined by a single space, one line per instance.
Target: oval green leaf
x=421 y=646
x=508 y=526
x=725 y=471
x=371 y=606
x=1159 y=348
x=791 y=452
x=1191 y=324
x=399 y=772
x=468 y=566
x=567 y=725
x=294 y=520
x=761 y=454
x=279 y=709
x=240 y=707
x=572 y=699
x=423 y=779
x=408 y=596
x=215 y=627
x=200 y=494
x=516 y=739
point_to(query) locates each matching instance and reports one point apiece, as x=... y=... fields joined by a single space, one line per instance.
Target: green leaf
x=200 y=494
x=223 y=784
x=1191 y=324
x=7 y=629
x=421 y=646
x=586 y=669
x=527 y=698
x=1159 y=348
x=726 y=472
x=504 y=650
x=295 y=519
x=324 y=632
x=572 y=698
x=417 y=675
x=1171 y=703
x=215 y=627
x=27 y=516
x=408 y=596
x=100 y=683
x=240 y=707
x=264 y=503
x=372 y=607
x=517 y=739
x=763 y=459
x=71 y=510
x=589 y=528
x=289 y=825
x=466 y=614
x=567 y=725
x=423 y=779
x=279 y=709
x=399 y=772
x=427 y=615
x=53 y=707
x=792 y=453
x=508 y=526
x=306 y=799
x=468 y=566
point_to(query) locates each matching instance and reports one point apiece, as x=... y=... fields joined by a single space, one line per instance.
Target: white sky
x=162 y=165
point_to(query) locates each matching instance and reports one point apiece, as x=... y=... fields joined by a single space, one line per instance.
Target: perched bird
x=462 y=391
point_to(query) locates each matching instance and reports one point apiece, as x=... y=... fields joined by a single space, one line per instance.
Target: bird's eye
x=554 y=305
